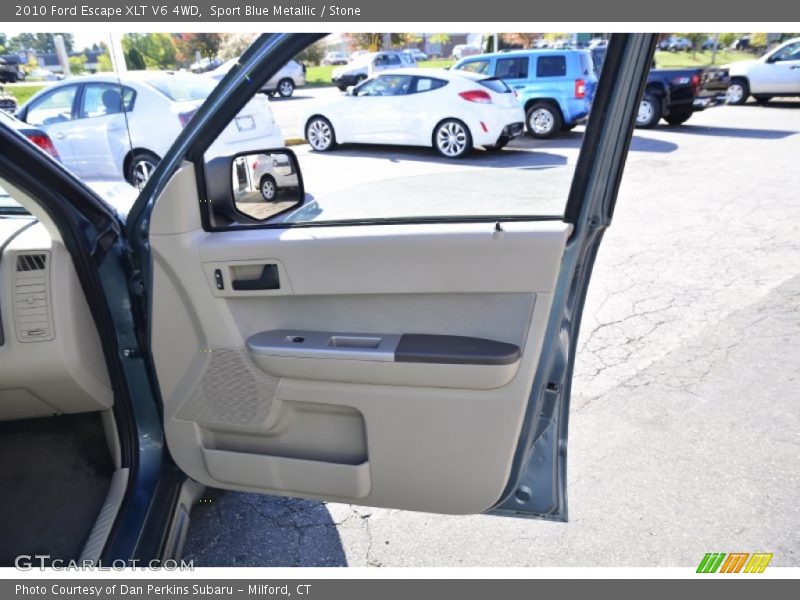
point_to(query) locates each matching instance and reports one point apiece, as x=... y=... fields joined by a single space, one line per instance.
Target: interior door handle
x=268 y=280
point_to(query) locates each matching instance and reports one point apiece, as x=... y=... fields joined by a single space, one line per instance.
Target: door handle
x=61 y=135
x=268 y=280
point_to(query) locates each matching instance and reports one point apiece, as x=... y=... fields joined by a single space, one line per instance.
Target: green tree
x=696 y=40
x=77 y=64
x=104 y=63
x=156 y=49
x=134 y=60
x=313 y=54
x=43 y=43
x=726 y=39
x=758 y=41
x=3 y=42
x=374 y=41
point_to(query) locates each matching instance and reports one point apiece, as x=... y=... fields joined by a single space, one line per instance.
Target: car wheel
x=268 y=188
x=285 y=87
x=342 y=88
x=737 y=92
x=544 y=120
x=452 y=138
x=649 y=111
x=761 y=99
x=141 y=167
x=320 y=134
x=678 y=117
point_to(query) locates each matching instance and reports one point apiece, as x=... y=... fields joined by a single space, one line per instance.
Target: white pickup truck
x=777 y=73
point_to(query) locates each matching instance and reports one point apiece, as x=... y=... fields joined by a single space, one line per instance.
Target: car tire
x=140 y=168
x=650 y=110
x=678 y=117
x=762 y=99
x=320 y=134
x=452 y=138
x=285 y=87
x=268 y=188
x=543 y=120
x=342 y=88
x=738 y=91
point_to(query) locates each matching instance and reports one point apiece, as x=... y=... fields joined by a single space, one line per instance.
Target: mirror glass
x=265 y=184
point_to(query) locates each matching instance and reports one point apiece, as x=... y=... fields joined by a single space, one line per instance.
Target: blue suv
x=556 y=87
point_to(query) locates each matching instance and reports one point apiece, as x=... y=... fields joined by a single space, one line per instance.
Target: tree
x=758 y=41
x=3 y=42
x=156 y=49
x=104 y=63
x=77 y=64
x=233 y=45
x=726 y=39
x=525 y=40
x=188 y=45
x=134 y=60
x=374 y=41
x=696 y=39
x=313 y=54
x=42 y=43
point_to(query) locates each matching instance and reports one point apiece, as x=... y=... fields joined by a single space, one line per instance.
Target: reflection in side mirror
x=265 y=184
x=253 y=186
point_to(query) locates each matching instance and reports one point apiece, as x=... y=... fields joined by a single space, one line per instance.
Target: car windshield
x=183 y=88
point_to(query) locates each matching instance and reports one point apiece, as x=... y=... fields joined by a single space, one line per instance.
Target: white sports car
x=449 y=110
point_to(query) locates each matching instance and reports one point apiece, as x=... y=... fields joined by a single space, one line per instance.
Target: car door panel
x=438 y=280
x=418 y=365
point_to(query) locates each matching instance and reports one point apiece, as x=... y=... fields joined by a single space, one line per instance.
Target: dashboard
x=51 y=360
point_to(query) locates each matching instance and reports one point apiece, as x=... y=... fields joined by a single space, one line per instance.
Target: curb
x=294 y=141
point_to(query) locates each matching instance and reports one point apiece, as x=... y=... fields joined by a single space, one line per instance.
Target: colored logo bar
x=734 y=562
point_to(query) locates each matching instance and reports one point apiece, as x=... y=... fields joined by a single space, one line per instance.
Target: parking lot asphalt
x=686 y=399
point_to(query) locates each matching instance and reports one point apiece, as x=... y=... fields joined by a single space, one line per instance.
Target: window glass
x=790 y=52
x=55 y=107
x=386 y=85
x=512 y=68
x=426 y=84
x=476 y=66
x=410 y=145
x=180 y=88
x=551 y=66
x=100 y=99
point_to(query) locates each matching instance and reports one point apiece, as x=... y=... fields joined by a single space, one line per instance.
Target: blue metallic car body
x=558 y=89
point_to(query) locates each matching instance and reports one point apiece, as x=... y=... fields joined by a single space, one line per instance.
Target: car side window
x=386 y=85
x=551 y=66
x=512 y=68
x=790 y=52
x=476 y=66
x=426 y=84
x=100 y=99
x=52 y=108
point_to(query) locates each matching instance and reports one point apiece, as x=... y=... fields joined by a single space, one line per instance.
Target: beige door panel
x=414 y=435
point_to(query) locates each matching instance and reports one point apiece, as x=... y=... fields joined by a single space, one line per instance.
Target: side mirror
x=256 y=185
